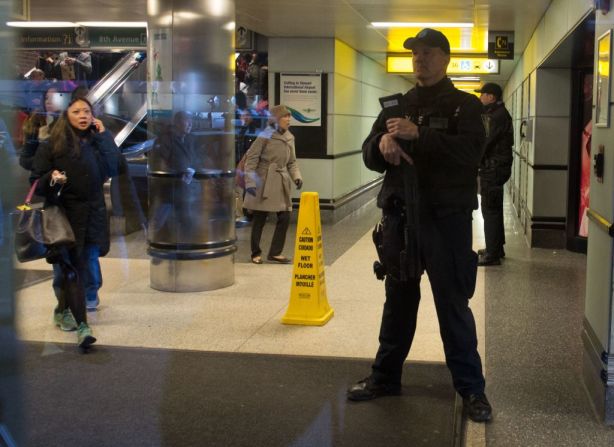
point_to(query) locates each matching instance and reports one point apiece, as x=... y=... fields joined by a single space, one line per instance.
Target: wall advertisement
x=302 y=94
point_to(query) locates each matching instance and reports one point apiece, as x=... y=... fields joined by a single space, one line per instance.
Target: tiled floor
x=528 y=312
x=246 y=316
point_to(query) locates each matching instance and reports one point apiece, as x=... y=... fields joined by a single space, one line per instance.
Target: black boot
x=477 y=407
x=367 y=389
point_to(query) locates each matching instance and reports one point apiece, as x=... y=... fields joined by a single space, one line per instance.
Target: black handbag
x=39 y=229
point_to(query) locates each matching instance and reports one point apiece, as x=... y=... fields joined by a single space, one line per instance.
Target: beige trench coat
x=271 y=168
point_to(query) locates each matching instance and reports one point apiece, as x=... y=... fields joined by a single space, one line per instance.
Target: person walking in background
x=255 y=79
x=77 y=67
x=441 y=136
x=72 y=166
x=39 y=124
x=495 y=170
x=270 y=170
x=246 y=134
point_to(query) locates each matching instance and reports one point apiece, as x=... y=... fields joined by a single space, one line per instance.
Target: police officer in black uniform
x=495 y=170
x=441 y=136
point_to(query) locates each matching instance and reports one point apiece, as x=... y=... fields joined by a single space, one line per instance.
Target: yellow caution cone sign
x=308 y=302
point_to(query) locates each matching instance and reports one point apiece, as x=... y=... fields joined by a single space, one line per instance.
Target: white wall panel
x=346 y=174
x=366 y=125
x=540 y=45
x=531 y=94
x=370 y=103
x=549 y=198
x=551 y=141
x=556 y=25
x=346 y=137
x=317 y=177
x=527 y=183
x=301 y=54
x=553 y=92
x=371 y=72
x=347 y=61
x=348 y=95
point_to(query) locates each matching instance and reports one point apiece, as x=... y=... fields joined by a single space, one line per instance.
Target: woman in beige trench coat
x=270 y=171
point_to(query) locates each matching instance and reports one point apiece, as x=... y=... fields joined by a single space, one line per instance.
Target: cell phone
x=391 y=106
x=93 y=128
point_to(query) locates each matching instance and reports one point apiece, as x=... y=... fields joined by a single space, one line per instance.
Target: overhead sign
x=81 y=37
x=458 y=65
x=501 y=44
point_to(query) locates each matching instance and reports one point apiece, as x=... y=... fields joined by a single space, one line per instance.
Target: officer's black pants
x=492 y=211
x=451 y=265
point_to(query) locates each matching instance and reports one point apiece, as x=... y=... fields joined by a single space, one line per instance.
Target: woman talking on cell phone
x=72 y=166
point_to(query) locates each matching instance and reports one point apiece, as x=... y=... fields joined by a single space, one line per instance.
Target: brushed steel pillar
x=190 y=175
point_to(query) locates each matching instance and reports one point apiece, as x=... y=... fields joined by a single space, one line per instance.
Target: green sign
x=118 y=37
x=45 y=38
x=81 y=37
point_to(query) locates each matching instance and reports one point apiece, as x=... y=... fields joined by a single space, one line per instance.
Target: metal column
x=191 y=222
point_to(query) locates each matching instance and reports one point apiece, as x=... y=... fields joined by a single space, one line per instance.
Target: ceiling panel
x=346 y=20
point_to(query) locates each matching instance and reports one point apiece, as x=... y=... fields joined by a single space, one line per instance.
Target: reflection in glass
x=602 y=101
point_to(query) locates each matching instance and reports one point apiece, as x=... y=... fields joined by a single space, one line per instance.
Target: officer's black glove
x=251 y=191
x=299 y=183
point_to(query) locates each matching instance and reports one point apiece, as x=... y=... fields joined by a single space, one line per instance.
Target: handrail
x=114 y=79
x=601 y=221
x=112 y=82
x=130 y=126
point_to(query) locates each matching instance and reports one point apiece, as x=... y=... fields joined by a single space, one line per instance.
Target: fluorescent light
x=218 y=8
x=465 y=78
x=41 y=24
x=421 y=25
x=71 y=24
x=115 y=24
x=187 y=15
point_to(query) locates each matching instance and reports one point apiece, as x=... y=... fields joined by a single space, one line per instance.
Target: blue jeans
x=91 y=277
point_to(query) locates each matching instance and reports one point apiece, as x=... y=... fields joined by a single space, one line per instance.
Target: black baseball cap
x=431 y=38
x=492 y=88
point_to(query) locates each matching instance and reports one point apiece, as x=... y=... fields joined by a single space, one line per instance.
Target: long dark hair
x=38 y=117
x=63 y=138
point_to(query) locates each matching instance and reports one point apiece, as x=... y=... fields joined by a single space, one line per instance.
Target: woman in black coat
x=72 y=167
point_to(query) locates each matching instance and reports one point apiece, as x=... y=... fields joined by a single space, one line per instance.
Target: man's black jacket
x=499 y=137
x=446 y=154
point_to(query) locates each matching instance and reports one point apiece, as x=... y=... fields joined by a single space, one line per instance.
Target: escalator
x=120 y=101
x=122 y=96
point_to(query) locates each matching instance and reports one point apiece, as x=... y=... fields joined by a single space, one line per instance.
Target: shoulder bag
x=38 y=229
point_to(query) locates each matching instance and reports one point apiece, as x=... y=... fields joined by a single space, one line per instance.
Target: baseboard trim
x=333 y=210
x=598 y=381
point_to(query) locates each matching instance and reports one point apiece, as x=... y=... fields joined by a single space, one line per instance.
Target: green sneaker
x=57 y=317
x=68 y=321
x=84 y=336
x=65 y=320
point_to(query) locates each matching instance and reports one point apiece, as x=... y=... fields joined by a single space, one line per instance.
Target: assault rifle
x=410 y=263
